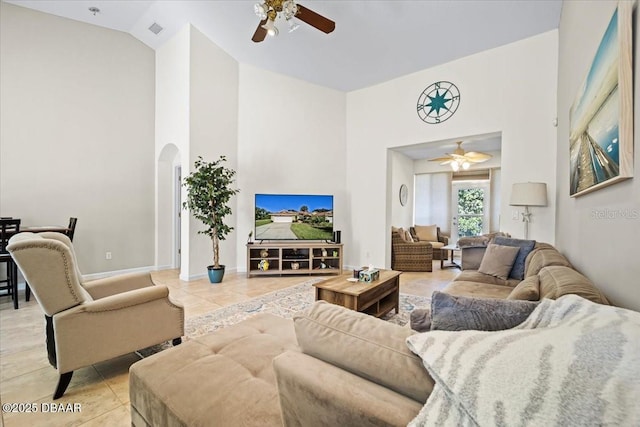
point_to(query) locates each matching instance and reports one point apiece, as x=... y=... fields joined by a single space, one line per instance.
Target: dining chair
x=9 y=227
x=71 y=228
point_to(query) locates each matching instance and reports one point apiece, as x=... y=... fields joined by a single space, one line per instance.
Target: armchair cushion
x=363 y=345
x=101 y=288
x=427 y=233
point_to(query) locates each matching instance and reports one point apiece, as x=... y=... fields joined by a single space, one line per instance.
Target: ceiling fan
x=268 y=11
x=459 y=158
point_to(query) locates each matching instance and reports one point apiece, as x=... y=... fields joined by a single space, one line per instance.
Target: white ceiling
x=374 y=41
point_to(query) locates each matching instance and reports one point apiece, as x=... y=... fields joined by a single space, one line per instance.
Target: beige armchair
x=94 y=321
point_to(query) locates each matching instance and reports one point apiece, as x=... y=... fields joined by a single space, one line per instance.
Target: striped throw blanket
x=571 y=363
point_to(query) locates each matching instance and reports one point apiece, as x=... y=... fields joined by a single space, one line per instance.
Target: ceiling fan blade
x=260 y=33
x=477 y=156
x=441 y=159
x=315 y=20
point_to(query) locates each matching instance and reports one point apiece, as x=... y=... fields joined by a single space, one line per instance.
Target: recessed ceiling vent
x=155 y=28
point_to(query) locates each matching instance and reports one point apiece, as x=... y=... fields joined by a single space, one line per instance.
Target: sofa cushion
x=556 y=281
x=457 y=313
x=528 y=289
x=526 y=246
x=480 y=290
x=544 y=257
x=363 y=345
x=476 y=276
x=498 y=260
x=427 y=233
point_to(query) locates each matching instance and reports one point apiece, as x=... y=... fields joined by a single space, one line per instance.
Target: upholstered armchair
x=431 y=234
x=89 y=322
x=410 y=256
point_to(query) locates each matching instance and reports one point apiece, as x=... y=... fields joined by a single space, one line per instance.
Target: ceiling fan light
x=289 y=8
x=455 y=166
x=261 y=10
x=271 y=28
x=293 y=25
x=465 y=165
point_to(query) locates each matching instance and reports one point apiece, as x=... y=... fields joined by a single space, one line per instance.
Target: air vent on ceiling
x=155 y=28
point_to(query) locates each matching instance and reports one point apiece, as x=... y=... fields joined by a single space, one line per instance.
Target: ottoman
x=225 y=378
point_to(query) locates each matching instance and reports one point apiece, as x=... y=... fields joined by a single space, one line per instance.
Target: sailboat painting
x=601 y=117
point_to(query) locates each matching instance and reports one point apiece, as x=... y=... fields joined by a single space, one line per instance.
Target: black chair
x=9 y=227
x=72 y=228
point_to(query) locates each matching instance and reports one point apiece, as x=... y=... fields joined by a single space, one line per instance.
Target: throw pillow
x=427 y=233
x=451 y=313
x=526 y=246
x=420 y=319
x=407 y=236
x=498 y=260
x=569 y=363
x=528 y=289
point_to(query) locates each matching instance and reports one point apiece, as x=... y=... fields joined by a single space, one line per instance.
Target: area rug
x=284 y=303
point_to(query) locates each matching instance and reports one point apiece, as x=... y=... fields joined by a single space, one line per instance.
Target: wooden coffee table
x=376 y=298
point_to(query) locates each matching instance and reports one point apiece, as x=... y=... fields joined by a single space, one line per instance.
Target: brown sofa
x=546 y=270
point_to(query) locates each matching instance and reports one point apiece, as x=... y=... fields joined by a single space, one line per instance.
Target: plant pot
x=215 y=274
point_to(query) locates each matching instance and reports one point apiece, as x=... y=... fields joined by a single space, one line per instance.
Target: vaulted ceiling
x=374 y=41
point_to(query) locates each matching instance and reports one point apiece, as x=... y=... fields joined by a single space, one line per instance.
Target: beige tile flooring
x=102 y=390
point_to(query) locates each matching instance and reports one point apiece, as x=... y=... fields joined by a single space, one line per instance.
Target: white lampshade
x=529 y=194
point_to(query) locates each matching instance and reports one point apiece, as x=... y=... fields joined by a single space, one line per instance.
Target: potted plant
x=208 y=194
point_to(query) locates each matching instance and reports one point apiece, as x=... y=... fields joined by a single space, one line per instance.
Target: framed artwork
x=601 y=117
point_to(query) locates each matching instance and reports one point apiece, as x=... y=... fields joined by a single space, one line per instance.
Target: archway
x=168 y=185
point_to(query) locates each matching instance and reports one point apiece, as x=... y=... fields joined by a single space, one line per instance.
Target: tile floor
x=102 y=390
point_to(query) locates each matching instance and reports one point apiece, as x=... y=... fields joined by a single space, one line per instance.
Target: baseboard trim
x=203 y=275
x=104 y=274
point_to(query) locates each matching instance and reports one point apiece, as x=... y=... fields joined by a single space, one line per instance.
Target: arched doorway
x=168 y=206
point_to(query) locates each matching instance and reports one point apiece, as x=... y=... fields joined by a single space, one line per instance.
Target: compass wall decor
x=438 y=102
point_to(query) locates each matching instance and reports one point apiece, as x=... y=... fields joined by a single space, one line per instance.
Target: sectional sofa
x=547 y=274
x=329 y=366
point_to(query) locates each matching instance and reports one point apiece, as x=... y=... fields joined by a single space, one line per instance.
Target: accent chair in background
x=407 y=255
x=431 y=234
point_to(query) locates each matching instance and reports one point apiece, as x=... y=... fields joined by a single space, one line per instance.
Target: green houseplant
x=208 y=194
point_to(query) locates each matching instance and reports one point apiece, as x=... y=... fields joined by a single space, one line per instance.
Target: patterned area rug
x=284 y=303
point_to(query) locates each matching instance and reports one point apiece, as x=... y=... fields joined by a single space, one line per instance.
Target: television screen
x=293 y=217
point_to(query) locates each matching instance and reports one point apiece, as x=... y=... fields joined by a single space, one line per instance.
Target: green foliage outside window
x=470 y=211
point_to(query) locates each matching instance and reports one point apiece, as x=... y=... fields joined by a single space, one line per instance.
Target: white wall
x=511 y=89
x=599 y=232
x=171 y=142
x=197 y=106
x=400 y=169
x=213 y=108
x=291 y=139
x=76 y=134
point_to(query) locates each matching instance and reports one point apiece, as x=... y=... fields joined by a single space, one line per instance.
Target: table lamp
x=528 y=194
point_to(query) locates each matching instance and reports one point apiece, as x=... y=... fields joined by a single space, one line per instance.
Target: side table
x=451 y=249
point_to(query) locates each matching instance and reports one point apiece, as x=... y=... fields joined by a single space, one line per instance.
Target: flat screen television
x=293 y=217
